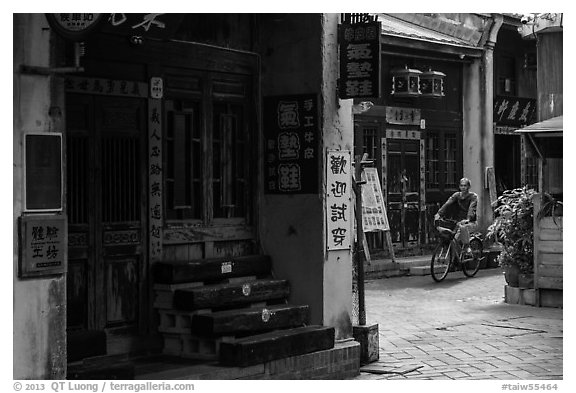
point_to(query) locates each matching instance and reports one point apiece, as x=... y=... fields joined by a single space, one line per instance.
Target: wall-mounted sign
x=156 y=87
x=145 y=25
x=43 y=245
x=397 y=115
x=339 y=200
x=155 y=191
x=291 y=137
x=513 y=111
x=75 y=27
x=359 y=45
x=43 y=176
x=109 y=87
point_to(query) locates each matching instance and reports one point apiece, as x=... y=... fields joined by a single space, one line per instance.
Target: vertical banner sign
x=359 y=45
x=291 y=144
x=339 y=199
x=155 y=178
x=374 y=217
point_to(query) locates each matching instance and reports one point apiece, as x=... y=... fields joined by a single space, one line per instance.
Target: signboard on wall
x=291 y=137
x=75 y=26
x=513 y=111
x=397 y=115
x=359 y=45
x=43 y=172
x=145 y=25
x=43 y=245
x=339 y=199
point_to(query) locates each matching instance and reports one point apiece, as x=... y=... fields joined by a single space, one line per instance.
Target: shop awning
x=419 y=31
x=548 y=128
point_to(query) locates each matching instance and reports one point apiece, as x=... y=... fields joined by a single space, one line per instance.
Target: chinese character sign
x=291 y=144
x=359 y=60
x=43 y=242
x=144 y=25
x=339 y=206
x=513 y=111
x=155 y=178
x=374 y=217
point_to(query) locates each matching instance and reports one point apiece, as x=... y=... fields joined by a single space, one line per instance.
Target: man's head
x=464 y=185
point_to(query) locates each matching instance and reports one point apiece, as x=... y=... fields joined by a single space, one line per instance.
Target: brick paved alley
x=460 y=329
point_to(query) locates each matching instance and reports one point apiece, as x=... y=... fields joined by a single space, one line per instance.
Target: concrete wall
x=478 y=140
x=299 y=55
x=39 y=314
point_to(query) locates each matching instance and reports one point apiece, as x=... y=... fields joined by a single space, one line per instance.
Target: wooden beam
x=173 y=272
x=228 y=295
x=276 y=345
x=250 y=320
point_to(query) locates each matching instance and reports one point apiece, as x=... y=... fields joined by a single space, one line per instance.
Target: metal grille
x=450 y=161
x=120 y=179
x=77 y=179
x=370 y=144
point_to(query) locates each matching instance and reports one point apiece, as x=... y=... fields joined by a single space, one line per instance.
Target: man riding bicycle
x=461 y=207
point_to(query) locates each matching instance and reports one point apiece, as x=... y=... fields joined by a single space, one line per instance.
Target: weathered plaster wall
x=338 y=135
x=476 y=139
x=299 y=56
x=39 y=313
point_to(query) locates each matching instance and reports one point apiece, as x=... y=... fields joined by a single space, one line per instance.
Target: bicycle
x=448 y=253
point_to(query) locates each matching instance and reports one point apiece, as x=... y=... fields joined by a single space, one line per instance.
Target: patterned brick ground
x=460 y=329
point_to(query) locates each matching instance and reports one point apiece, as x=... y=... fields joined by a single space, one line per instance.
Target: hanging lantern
x=405 y=82
x=432 y=83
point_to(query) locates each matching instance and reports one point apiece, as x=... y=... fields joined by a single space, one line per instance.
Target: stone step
x=277 y=344
x=230 y=295
x=214 y=269
x=250 y=320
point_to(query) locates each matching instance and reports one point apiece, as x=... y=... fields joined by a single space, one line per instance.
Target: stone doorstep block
x=325 y=364
x=523 y=296
x=420 y=270
x=367 y=336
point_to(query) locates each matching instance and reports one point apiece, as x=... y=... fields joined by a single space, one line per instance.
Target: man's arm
x=442 y=210
x=471 y=216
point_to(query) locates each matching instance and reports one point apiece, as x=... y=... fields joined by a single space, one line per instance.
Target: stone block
x=368 y=338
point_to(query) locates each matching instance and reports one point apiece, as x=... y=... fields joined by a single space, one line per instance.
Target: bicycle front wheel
x=471 y=261
x=441 y=261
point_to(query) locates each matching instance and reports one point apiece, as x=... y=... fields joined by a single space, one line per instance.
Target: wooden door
x=403 y=187
x=106 y=209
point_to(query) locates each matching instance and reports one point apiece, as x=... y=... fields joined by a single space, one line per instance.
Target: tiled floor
x=460 y=329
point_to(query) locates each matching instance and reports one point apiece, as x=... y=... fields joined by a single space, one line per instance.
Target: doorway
x=403 y=177
x=106 y=281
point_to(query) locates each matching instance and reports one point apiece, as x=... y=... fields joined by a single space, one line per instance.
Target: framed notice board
x=43 y=174
x=43 y=248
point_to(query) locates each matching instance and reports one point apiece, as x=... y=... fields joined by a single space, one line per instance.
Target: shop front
x=165 y=160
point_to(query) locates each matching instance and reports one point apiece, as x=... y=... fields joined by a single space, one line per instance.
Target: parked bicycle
x=449 y=254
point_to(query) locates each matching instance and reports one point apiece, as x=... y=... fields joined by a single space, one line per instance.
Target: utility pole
x=359 y=164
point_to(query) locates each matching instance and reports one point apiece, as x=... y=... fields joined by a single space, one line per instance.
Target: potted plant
x=513 y=228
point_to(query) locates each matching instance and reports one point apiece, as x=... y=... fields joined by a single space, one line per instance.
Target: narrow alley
x=460 y=329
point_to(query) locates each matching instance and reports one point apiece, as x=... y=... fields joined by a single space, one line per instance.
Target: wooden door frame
x=96 y=315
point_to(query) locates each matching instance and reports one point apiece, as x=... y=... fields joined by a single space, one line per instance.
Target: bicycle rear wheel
x=441 y=261
x=471 y=261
